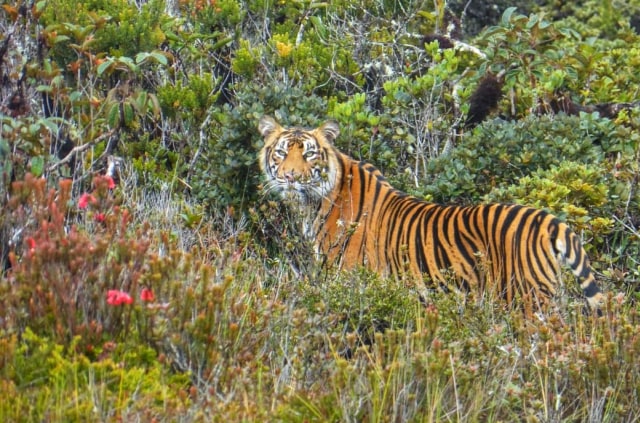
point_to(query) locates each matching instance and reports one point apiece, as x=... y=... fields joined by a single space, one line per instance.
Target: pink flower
x=85 y=200
x=99 y=217
x=146 y=295
x=116 y=297
x=111 y=184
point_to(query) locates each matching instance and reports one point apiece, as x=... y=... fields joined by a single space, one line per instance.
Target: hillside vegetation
x=148 y=278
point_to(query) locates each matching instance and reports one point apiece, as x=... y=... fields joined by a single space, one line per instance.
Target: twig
x=203 y=137
x=459 y=45
x=80 y=149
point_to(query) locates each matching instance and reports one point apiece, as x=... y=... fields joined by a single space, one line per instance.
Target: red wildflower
x=111 y=184
x=147 y=295
x=85 y=200
x=116 y=297
x=99 y=217
x=31 y=243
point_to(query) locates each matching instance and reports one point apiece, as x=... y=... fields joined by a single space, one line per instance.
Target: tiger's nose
x=290 y=177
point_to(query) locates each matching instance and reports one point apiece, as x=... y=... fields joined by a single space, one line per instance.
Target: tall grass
x=233 y=335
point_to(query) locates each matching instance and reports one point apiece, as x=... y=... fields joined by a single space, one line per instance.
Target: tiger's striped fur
x=357 y=218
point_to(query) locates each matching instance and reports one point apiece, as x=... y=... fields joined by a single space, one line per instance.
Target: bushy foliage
x=499 y=153
x=55 y=287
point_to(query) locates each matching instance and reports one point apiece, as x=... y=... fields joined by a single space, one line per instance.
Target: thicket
x=147 y=277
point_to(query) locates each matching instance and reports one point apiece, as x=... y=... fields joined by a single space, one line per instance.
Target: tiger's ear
x=268 y=126
x=330 y=130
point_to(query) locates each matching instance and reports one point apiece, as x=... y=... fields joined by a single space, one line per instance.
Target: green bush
x=112 y=27
x=51 y=381
x=498 y=153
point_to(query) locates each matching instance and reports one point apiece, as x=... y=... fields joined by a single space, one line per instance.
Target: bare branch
x=79 y=149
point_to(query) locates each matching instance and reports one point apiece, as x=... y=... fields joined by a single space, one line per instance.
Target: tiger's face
x=298 y=161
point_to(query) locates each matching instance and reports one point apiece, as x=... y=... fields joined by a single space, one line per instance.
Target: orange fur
x=358 y=219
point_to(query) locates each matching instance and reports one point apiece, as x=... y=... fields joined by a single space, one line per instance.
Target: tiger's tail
x=576 y=258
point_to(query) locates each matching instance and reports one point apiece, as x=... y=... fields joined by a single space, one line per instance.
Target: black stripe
x=530 y=240
x=439 y=251
x=363 y=179
x=421 y=257
x=389 y=210
x=462 y=241
x=591 y=290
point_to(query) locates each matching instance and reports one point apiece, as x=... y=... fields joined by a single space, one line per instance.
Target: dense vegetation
x=164 y=291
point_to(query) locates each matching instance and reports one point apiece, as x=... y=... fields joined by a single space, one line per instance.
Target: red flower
x=99 y=217
x=85 y=200
x=146 y=295
x=116 y=297
x=111 y=184
x=31 y=243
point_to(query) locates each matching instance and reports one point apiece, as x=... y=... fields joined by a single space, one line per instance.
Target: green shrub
x=363 y=301
x=498 y=153
x=43 y=380
x=112 y=27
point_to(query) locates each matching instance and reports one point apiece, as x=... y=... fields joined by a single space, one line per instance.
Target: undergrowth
x=205 y=327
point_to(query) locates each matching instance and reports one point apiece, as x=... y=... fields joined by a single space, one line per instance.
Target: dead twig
x=79 y=149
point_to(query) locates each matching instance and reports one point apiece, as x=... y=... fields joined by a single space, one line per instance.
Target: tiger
x=356 y=218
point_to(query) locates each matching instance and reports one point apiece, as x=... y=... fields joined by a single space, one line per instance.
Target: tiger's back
x=359 y=219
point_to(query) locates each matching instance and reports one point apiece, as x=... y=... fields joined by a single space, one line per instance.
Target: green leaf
x=58 y=81
x=40 y=6
x=128 y=113
x=544 y=24
x=154 y=104
x=221 y=43
x=506 y=16
x=104 y=66
x=319 y=26
x=75 y=96
x=34 y=129
x=160 y=58
x=533 y=20
x=141 y=57
x=44 y=88
x=37 y=166
x=128 y=62
x=429 y=16
x=61 y=38
x=50 y=125
x=113 y=118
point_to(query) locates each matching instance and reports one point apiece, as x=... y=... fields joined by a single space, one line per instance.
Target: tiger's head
x=299 y=161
